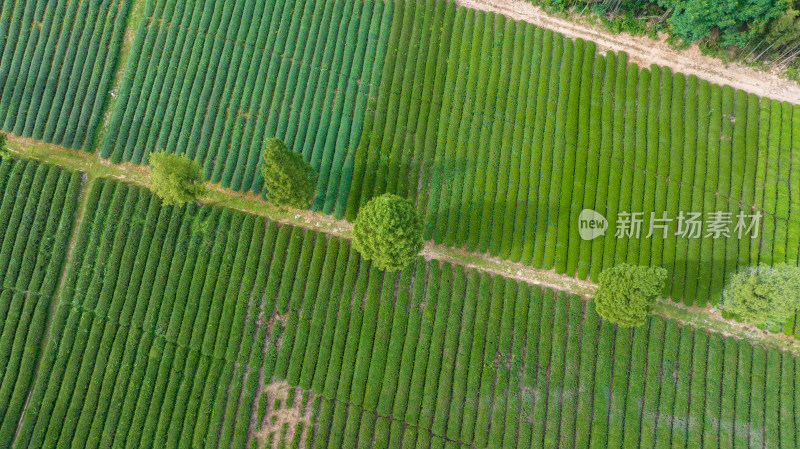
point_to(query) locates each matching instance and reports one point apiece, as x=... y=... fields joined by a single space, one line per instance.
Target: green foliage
x=737 y=21
x=4 y=153
x=763 y=295
x=175 y=178
x=288 y=178
x=783 y=30
x=626 y=293
x=388 y=232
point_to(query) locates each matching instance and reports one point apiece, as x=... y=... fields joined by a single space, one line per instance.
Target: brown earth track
x=645 y=51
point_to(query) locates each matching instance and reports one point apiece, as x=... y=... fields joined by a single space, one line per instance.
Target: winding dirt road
x=645 y=51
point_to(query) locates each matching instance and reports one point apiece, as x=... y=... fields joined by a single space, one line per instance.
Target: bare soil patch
x=284 y=414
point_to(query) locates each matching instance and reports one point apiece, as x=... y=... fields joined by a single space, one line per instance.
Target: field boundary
x=708 y=317
x=645 y=51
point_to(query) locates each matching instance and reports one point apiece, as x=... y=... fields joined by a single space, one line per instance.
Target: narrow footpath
x=94 y=166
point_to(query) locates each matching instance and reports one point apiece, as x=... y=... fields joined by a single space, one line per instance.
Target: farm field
x=37 y=214
x=58 y=59
x=160 y=309
x=479 y=119
x=128 y=323
x=205 y=305
x=207 y=78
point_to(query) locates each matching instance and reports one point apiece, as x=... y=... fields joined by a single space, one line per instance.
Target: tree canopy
x=175 y=178
x=289 y=179
x=388 y=231
x=763 y=295
x=626 y=293
x=737 y=20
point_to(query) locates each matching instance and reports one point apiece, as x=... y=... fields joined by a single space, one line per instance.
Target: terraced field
x=172 y=323
x=160 y=309
x=215 y=79
x=507 y=132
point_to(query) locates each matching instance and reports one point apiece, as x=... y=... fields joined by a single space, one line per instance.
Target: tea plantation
x=58 y=60
x=127 y=323
x=477 y=118
x=172 y=321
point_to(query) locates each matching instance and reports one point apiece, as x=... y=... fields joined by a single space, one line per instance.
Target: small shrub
x=4 y=152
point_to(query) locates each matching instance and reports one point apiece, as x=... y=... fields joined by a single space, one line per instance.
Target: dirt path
x=317 y=221
x=645 y=51
x=505 y=268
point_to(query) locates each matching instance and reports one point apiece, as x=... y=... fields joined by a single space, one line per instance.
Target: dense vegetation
x=37 y=207
x=753 y=30
x=195 y=306
x=57 y=62
x=388 y=232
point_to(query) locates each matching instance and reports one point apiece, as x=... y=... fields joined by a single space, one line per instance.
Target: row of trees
x=766 y=296
x=388 y=231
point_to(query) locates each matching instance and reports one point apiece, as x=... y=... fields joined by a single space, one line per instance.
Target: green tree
x=388 y=231
x=289 y=179
x=783 y=30
x=626 y=293
x=763 y=295
x=737 y=20
x=175 y=178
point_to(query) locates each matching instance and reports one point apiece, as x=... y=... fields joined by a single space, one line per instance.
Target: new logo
x=591 y=224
